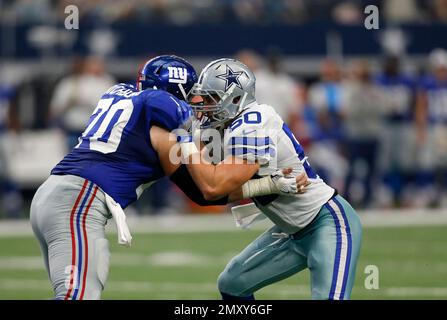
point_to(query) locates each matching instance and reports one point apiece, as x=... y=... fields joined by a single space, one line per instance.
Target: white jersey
x=259 y=134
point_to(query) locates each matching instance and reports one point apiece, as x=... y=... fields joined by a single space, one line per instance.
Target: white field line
x=191 y=259
x=209 y=288
x=161 y=259
x=224 y=222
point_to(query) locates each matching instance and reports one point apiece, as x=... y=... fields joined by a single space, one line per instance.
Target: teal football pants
x=329 y=246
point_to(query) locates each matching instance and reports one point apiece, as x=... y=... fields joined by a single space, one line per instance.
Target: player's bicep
x=167 y=148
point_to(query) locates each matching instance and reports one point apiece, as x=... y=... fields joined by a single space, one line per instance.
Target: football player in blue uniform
x=431 y=125
x=123 y=150
x=398 y=141
x=10 y=197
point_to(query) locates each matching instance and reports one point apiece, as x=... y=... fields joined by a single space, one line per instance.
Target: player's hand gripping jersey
x=115 y=150
x=259 y=134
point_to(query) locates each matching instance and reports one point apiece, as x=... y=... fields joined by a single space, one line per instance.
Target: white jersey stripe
x=342 y=259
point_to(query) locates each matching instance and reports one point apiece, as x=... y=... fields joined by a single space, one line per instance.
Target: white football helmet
x=226 y=86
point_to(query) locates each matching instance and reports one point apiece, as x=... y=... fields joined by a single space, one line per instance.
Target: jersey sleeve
x=250 y=141
x=165 y=110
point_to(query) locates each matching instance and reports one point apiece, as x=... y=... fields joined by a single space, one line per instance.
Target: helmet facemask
x=214 y=108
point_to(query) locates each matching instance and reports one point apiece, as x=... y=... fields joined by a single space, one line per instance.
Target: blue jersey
x=115 y=150
x=436 y=99
x=399 y=91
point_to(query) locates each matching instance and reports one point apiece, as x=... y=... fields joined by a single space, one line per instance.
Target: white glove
x=285 y=184
x=186 y=137
x=277 y=182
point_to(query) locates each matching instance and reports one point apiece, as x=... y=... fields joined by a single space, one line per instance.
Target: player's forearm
x=210 y=178
x=217 y=181
x=214 y=181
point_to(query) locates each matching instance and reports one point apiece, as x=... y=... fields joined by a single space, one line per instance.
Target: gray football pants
x=68 y=216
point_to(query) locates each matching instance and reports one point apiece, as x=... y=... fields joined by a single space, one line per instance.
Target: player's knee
x=224 y=282
x=102 y=261
x=231 y=280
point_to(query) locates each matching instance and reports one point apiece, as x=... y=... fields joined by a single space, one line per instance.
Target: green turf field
x=412 y=262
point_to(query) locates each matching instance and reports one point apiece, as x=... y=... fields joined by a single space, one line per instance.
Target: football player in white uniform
x=317 y=229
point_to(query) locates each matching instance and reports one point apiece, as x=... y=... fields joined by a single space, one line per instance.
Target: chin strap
x=241 y=104
x=182 y=90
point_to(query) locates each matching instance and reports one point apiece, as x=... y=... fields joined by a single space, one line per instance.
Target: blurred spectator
x=397 y=151
x=76 y=96
x=294 y=12
x=273 y=86
x=401 y=11
x=182 y=12
x=327 y=98
x=249 y=11
x=10 y=198
x=257 y=12
x=363 y=115
x=307 y=129
x=431 y=117
x=35 y=11
x=348 y=12
x=440 y=10
x=304 y=123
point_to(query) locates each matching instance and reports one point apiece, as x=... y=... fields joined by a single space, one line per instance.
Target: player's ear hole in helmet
x=169 y=73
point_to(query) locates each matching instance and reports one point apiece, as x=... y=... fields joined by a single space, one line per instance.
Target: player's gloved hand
x=185 y=119
x=185 y=116
x=282 y=181
x=189 y=127
x=288 y=183
x=185 y=132
x=285 y=183
x=190 y=133
x=302 y=182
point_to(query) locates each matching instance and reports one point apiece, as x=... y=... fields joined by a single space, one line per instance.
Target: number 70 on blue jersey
x=105 y=127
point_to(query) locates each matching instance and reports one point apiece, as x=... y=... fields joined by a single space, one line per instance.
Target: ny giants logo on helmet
x=178 y=75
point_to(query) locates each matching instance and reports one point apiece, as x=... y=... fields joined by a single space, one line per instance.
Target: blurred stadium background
x=369 y=107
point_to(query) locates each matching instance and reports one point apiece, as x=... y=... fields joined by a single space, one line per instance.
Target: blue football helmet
x=169 y=73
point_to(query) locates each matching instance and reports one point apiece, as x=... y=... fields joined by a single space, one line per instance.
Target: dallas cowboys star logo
x=231 y=77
